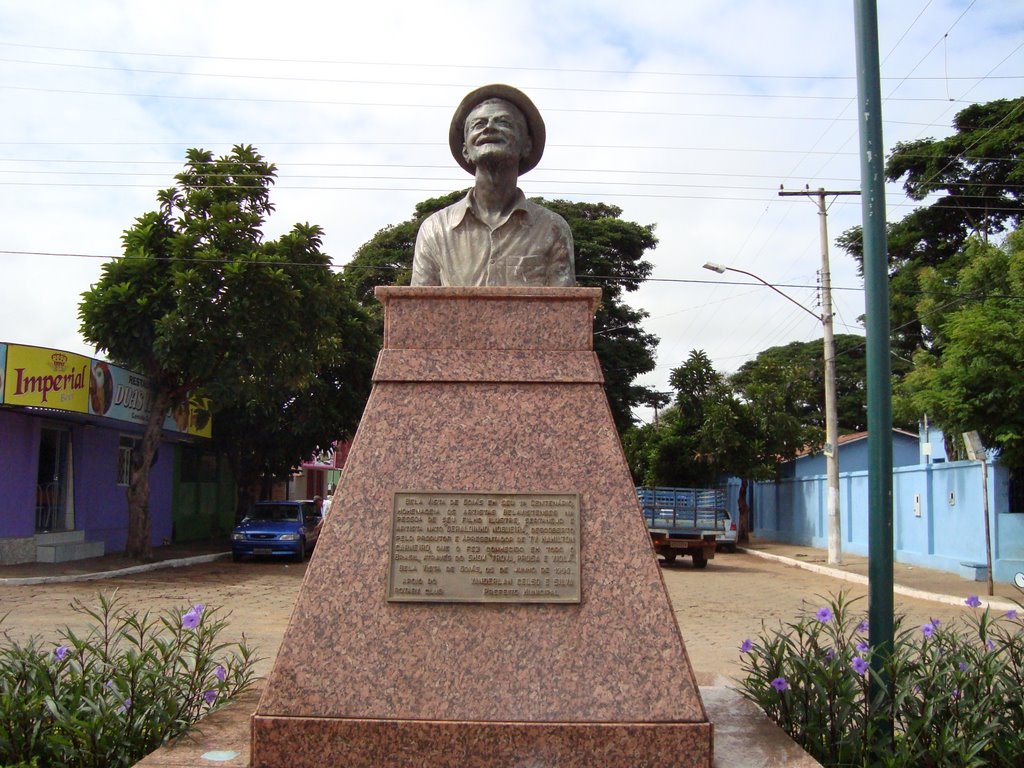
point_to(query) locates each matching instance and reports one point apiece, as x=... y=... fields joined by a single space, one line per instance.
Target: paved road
x=717 y=608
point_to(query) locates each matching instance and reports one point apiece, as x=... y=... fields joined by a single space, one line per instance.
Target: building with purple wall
x=68 y=428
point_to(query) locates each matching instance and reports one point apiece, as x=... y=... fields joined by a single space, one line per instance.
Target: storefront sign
x=46 y=378
x=51 y=378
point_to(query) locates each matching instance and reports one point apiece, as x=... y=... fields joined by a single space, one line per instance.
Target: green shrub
x=111 y=695
x=957 y=691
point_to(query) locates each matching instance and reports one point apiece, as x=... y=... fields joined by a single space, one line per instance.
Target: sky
x=687 y=115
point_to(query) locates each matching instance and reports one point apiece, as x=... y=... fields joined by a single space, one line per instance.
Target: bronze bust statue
x=494 y=235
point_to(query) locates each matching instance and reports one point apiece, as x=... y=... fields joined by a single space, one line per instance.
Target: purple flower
x=824 y=615
x=973 y=601
x=1011 y=614
x=124 y=707
x=220 y=672
x=860 y=666
x=780 y=684
x=956 y=694
x=199 y=608
x=60 y=652
x=964 y=666
x=935 y=623
x=210 y=696
x=990 y=645
x=190 y=620
x=862 y=627
x=830 y=654
x=928 y=629
x=863 y=647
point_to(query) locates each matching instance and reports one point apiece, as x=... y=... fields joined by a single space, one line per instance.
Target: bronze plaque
x=455 y=547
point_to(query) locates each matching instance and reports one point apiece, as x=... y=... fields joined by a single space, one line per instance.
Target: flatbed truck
x=684 y=521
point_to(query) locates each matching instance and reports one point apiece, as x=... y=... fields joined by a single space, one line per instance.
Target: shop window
x=126 y=452
x=126 y=449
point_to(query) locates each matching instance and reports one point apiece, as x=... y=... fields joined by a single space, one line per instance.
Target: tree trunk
x=743 y=532
x=139 y=545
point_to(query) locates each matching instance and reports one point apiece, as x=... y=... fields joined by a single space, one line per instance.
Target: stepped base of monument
x=744 y=738
x=314 y=742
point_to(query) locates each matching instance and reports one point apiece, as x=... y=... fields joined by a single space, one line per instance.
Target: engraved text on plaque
x=485 y=547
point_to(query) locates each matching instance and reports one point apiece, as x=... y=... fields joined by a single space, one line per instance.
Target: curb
x=179 y=563
x=856 y=578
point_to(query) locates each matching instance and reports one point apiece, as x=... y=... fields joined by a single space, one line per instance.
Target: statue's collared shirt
x=533 y=246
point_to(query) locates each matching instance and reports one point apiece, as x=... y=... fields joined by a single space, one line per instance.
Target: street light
x=835 y=553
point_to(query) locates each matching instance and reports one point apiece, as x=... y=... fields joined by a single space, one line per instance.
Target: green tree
x=200 y=302
x=795 y=371
x=609 y=255
x=971 y=380
x=281 y=422
x=709 y=432
x=973 y=179
x=704 y=435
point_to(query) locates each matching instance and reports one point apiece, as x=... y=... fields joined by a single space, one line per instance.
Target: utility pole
x=835 y=546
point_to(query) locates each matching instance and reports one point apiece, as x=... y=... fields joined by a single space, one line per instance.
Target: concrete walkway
x=909 y=581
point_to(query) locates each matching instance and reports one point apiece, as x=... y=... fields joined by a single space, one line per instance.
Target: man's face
x=496 y=134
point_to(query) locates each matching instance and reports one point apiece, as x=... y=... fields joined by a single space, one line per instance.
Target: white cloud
x=675 y=112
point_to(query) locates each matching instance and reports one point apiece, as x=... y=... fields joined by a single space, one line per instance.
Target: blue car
x=277 y=529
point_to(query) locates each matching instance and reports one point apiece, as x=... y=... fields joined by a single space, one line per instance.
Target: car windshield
x=275 y=513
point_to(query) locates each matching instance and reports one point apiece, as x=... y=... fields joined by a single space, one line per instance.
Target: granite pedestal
x=490 y=390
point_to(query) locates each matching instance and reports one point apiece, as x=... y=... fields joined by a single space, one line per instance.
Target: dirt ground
x=716 y=608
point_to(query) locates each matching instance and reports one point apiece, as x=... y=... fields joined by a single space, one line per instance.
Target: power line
x=421 y=84
x=385 y=105
x=437 y=65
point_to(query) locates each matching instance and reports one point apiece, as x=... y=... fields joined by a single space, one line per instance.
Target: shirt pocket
x=530 y=270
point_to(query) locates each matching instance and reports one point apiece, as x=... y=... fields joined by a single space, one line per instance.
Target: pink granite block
x=460 y=365
x=598 y=672
x=312 y=743
x=428 y=317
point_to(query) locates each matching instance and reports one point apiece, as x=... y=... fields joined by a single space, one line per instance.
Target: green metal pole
x=876 y=284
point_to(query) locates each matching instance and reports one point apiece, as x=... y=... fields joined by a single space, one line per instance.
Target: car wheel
x=301 y=554
x=669 y=557
x=700 y=561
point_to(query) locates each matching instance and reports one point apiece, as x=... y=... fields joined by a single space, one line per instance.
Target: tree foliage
x=744 y=424
x=200 y=301
x=609 y=255
x=796 y=372
x=973 y=180
x=971 y=380
x=708 y=432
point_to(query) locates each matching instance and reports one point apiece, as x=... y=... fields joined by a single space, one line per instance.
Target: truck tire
x=700 y=561
x=669 y=557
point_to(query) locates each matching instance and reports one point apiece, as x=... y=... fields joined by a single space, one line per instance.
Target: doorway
x=54 y=510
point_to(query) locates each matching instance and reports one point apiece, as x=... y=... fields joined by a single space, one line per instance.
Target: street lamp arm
x=721 y=268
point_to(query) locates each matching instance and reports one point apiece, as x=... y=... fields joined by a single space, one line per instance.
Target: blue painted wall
x=937 y=515
x=853 y=457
